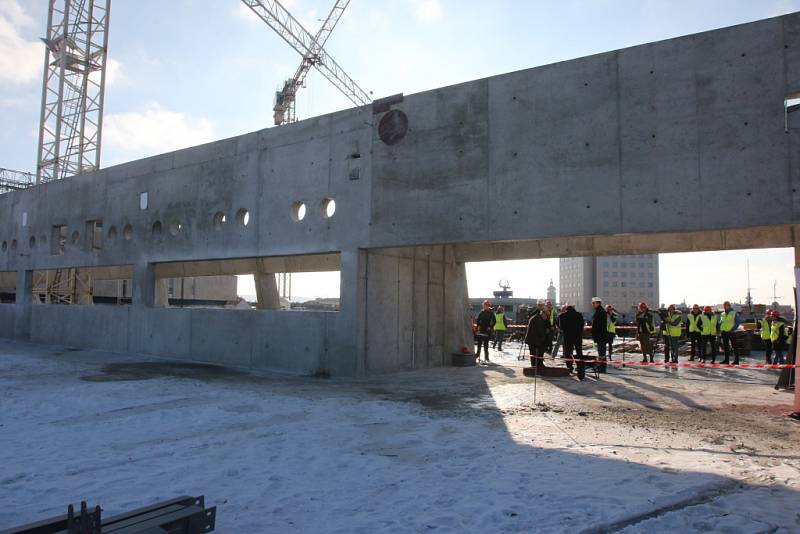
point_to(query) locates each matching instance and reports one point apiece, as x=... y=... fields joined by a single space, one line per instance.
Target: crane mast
x=71 y=119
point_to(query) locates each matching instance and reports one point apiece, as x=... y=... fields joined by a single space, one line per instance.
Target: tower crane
x=284 y=109
x=311 y=49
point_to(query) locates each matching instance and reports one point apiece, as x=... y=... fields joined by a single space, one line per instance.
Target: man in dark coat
x=537 y=337
x=485 y=323
x=600 y=331
x=571 y=323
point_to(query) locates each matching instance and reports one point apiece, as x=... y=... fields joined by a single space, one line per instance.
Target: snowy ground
x=446 y=450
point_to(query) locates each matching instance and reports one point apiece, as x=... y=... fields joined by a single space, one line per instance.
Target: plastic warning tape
x=683 y=364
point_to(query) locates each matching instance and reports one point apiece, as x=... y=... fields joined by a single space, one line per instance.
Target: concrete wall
x=622 y=149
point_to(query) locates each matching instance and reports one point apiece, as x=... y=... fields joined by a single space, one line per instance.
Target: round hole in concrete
x=32 y=242
x=393 y=127
x=127 y=232
x=327 y=207
x=298 y=211
x=112 y=233
x=243 y=217
x=219 y=220
x=157 y=228
x=175 y=228
x=76 y=236
x=4 y=246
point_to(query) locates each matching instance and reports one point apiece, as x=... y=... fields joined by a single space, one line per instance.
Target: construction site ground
x=444 y=450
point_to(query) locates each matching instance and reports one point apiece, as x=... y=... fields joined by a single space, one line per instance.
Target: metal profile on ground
x=184 y=515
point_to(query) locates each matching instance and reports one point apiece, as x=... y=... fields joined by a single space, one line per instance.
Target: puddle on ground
x=116 y=372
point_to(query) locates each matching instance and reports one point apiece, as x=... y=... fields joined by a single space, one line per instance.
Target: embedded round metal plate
x=393 y=127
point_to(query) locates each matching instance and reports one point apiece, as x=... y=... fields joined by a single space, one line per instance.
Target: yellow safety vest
x=728 y=320
x=499 y=321
x=766 y=329
x=694 y=327
x=709 y=325
x=552 y=317
x=672 y=330
x=775 y=331
x=611 y=326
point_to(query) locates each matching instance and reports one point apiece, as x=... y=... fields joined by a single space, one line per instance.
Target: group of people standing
x=548 y=331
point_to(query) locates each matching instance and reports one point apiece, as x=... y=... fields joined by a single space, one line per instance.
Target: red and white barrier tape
x=672 y=364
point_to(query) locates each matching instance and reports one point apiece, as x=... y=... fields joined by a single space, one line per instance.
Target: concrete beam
x=779 y=236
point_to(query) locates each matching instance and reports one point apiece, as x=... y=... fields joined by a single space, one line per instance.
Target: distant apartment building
x=623 y=281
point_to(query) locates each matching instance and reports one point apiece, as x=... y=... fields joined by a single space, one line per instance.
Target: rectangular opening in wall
x=304 y=282
x=791 y=105
x=8 y=287
x=84 y=285
x=94 y=234
x=58 y=239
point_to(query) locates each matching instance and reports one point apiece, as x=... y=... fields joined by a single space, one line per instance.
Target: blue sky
x=183 y=72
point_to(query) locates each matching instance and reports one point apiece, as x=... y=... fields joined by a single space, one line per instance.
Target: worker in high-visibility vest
x=611 y=319
x=645 y=330
x=766 y=335
x=778 y=336
x=499 y=328
x=728 y=324
x=708 y=334
x=693 y=329
x=673 y=326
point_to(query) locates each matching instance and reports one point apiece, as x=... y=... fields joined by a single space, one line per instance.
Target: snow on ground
x=446 y=450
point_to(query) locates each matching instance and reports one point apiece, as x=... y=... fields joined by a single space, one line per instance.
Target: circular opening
x=13 y=244
x=76 y=236
x=5 y=246
x=327 y=207
x=298 y=211
x=127 y=232
x=112 y=233
x=243 y=217
x=157 y=228
x=220 y=219
x=175 y=228
x=32 y=242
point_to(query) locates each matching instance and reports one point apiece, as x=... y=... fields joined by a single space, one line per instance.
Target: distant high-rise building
x=622 y=281
x=551 y=292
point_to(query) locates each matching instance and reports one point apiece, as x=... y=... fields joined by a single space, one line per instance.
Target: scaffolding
x=15 y=180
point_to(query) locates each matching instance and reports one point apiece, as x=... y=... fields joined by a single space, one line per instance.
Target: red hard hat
x=776 y=313
x=707 y=309
x=642 y=306
x=695 y=307
x=726 y=304
x=609 y=307
x=671 y=307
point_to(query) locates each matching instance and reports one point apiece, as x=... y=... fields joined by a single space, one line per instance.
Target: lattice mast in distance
x=71 y=120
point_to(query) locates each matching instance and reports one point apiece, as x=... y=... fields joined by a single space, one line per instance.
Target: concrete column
x=350 y=324
x=23 y=304
x=796 y=350
x=266 y=291
x=144 y=285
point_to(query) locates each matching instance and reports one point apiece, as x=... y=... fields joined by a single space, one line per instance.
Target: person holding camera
x=645 y=329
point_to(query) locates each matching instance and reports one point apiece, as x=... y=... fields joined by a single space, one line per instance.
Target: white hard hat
x=596 y=299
